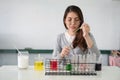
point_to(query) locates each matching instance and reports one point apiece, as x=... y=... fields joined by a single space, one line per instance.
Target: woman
x=77 y=39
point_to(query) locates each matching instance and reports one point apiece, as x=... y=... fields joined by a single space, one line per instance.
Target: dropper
x=77 y=29
x=70 y=44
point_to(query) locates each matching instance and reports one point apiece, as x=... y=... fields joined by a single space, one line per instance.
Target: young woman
x=77 y=38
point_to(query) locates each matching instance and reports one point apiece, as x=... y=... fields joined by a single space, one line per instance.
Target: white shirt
x=69 y=38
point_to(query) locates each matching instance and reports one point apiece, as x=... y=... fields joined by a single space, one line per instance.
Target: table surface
x=11 y=72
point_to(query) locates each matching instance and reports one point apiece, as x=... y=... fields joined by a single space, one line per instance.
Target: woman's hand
x=65 y=51
x=86 y=29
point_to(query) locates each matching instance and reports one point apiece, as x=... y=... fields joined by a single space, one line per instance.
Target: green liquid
x=68 y=67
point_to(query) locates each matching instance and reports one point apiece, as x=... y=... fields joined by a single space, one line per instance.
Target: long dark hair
x=79 y=39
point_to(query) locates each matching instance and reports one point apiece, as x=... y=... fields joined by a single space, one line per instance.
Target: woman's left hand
x=86 y=29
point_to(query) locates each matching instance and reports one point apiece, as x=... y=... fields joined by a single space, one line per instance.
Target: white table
x=13 y=73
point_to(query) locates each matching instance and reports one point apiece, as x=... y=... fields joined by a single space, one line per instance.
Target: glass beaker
x=39 y=63
x=23 y=59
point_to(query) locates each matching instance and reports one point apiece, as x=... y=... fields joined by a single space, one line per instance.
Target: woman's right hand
x=65 y=51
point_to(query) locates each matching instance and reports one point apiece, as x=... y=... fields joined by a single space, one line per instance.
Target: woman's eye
x=69 y=19
x=77 y=19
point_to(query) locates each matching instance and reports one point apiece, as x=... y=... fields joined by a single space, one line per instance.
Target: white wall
x=36 y=23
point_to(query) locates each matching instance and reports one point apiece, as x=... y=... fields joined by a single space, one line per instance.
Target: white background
x=36 y=23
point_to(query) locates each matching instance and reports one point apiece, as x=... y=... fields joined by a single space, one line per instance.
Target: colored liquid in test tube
x=68 y=67
x=53 y=64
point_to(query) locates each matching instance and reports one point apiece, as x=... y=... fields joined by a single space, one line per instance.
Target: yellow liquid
x=38 y=65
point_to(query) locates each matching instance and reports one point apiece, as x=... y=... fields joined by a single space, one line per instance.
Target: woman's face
x=72 y=21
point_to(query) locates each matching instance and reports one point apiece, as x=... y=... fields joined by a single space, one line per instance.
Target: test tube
x=98 y=65
x=53 y=64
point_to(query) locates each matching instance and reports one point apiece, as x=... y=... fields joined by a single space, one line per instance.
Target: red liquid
x=53 y=65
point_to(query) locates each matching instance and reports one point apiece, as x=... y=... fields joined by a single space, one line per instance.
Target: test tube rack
x=66 y=67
